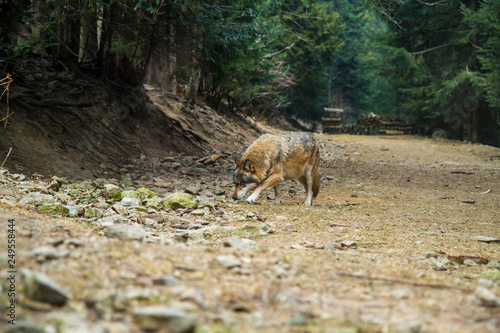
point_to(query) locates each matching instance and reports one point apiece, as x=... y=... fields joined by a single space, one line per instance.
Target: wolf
x=273 y=158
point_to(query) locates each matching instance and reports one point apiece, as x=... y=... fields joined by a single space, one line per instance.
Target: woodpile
x=332 y=120
x=373 y=124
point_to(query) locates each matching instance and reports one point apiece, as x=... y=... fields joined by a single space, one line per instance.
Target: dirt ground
x=386 y=247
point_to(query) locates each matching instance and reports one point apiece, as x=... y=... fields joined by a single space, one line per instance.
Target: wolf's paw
x=252 y=200
x=276 y=203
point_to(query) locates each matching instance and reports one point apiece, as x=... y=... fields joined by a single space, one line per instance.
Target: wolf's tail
x=315 y=175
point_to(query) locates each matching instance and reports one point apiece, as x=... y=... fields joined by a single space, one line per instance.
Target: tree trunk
x=88 y=33
x=192 y=91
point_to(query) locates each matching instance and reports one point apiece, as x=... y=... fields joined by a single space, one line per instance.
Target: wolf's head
x=244 y=178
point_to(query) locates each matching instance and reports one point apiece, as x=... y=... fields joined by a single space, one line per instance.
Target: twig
x=6 y=81
x=415 y=284
x=6 y=157
x=485 y=192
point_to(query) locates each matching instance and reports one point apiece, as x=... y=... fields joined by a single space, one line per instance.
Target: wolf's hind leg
x=277 y=195
x=307 y=181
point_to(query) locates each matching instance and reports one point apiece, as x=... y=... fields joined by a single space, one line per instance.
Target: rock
x=54 y=186
x=468 y=262
x=155 y=202
x=41 y=288
x=199 y=212
x=298 y=318
x=111 y=192
x=144 y=193
x=37 y=199
x=194 y=190
x=439 y=266
x=164 y=280
x=156 y=318
x=266 y=228
x=486 y=239
x=180 y=200
x=219 y=191
x=54 y=209
x=130 y=202
x=130 y=194
x=44 y=253
x=400 y=293
x=440 y=134
x=228 y=261
x=494 y=264
x=486 y=297
x=245 y=230
x=24 y=327
x=348 y=244
x=110 y=220
x=298 y=247
x=93 y=213
x=405 y=327
x=492 y=275
x=240 y=244
x=124 y=232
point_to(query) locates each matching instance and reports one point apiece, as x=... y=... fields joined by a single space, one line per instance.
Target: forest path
x=388 y=246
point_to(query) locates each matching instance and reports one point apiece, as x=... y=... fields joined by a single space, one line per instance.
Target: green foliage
x=485 y=36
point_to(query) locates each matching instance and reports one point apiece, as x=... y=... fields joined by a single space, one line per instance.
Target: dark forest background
x=435 y=63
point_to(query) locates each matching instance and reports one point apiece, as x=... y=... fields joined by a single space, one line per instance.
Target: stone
x=41 y=288
x=144 y=193
x=111 y=192
x=164 y=280
x=492 y=275
x=486 y=239
x=24 y=327
x=124 y=232
x=93 y=213
x=155 y=202
x=54 y=186
x=180 y=200
x=348 y=244
x=240 y=244
x=162 y=318
x=494 y=264
x=130 y=194
x=400 y=293
x=228 y=261
x=405 y=327
x=130 y=202
x=44 y=253
x=37 y=199
x=486 y=297
x=54 y=209
x=193 y=189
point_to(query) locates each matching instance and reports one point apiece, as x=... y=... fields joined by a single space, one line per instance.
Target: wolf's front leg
x=271 y=181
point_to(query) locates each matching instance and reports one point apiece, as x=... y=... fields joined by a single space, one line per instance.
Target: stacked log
x=332 y=120
x=373 y=124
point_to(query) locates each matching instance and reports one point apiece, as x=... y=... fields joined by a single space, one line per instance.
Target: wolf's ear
x=249 y=166
x=237 y=161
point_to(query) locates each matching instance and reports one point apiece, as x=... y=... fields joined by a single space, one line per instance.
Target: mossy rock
x=93 y=213
x=155 y=202
x=130 y=194
x=245 y=230
x=54 y=209
x=180 y=200
x=145 y=193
